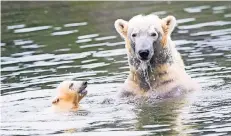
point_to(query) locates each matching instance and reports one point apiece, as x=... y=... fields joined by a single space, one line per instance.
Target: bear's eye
x=134 y=35
x=71 y=85
x=153 y=34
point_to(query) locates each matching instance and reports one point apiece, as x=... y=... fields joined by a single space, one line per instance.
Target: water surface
x=44 y=43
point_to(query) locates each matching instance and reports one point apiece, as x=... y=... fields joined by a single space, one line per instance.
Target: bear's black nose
x=144 y=54
x=84 y=83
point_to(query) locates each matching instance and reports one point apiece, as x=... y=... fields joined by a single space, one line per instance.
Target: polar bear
x=156 y=67
x=70 y=93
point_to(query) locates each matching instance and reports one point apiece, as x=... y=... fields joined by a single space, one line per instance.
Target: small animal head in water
x=69 y=94
x=145 y=35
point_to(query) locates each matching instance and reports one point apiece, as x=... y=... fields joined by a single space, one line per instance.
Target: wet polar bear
x=156 y=67
x=70 y=93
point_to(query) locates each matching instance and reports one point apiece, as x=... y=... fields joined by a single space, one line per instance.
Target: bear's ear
x=169 y=24
x=55 y=101
x=121 y=27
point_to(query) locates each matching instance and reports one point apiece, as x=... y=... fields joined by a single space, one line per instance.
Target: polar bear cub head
x=70 y=93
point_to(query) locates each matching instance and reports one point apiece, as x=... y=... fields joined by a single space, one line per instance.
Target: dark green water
x=44 y=43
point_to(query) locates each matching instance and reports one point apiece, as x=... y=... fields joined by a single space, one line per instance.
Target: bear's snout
x=144 y=54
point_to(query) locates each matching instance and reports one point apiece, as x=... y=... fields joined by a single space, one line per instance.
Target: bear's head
x=69 y=94
x=145 y=35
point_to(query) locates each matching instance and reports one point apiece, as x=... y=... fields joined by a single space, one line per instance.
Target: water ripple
x=16 y=26
x=215 y=23
x=31 y=29
x=64 y=32
x=75 y=24
x=34 y=63
x=196 y=9
x=88 y=36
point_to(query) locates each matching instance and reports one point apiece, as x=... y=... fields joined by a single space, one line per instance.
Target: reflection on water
x=44 y=43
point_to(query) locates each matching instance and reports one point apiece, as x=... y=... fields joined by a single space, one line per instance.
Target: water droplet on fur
x=144 y=68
